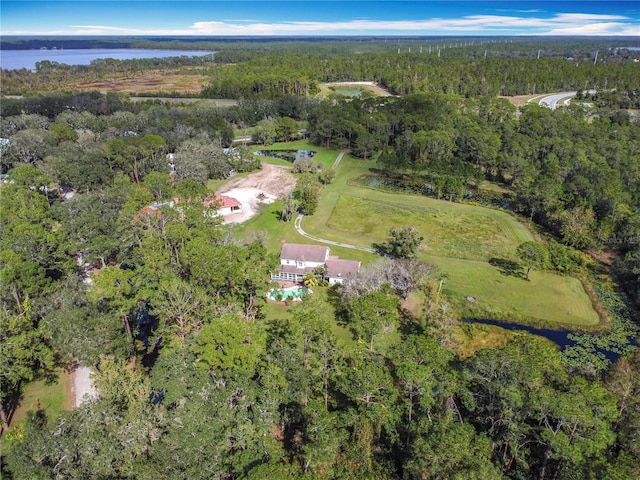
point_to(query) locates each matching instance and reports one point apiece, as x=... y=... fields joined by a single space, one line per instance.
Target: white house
x=296 y=260
x=225 y=205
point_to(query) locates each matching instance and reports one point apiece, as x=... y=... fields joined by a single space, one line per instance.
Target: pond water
x=16 y=59
x=609 y=346
x=289 y=155
x=559 y=337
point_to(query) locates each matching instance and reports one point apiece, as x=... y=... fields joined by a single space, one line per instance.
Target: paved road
x=322 y=240
x=551 y=101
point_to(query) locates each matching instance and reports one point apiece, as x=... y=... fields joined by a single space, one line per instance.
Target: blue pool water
x=295 y=293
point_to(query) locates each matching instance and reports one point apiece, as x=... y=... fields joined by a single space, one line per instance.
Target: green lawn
x=547 y=299
x=53 y=396
x=323 y=155
x=450 y=229
x=460 y=239
x=279 y=311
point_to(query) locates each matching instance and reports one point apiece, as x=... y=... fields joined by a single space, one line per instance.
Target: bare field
x=519 y=100
x=325 y=88
x=152 y=81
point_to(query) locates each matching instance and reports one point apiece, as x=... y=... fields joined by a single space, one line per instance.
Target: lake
x=16 y=59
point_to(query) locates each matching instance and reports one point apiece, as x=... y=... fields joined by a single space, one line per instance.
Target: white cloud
x=559 y=24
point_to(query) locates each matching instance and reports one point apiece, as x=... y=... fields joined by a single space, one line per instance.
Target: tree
x=80 y=166
x=326 y=175
x=229 y=346
x=159 y=184
x=138 y=156
x=265 y=132
x=577 y=227
x=25 y=353
x=371 y=314
x=403 y=242
x=533 y=255
x=288 y=208
x=623 y=381
x=63 y=133
x=286 y=129
x=403 y=275
x=109 y=438
x=307 y=193
x=30 y=145
x=422 y=369
x=223 y=130
x=89 y=224
x=447 y=449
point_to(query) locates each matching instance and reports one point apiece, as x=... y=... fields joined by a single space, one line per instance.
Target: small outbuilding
x=226 y=205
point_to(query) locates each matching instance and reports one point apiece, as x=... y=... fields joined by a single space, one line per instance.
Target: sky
x=319 y=17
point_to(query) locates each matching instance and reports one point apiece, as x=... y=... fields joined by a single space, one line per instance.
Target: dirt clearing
x=370 y=86
x=265 y=186
x=151 y=81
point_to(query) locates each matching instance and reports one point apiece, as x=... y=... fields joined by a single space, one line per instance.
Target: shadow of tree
x=408 y=324
x=507 y=267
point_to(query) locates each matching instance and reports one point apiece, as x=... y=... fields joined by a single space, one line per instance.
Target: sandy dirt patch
x=266 y=186
x=371 y=86
x=82 y=384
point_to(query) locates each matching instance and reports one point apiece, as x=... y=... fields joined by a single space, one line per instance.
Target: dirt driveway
x=265 y=186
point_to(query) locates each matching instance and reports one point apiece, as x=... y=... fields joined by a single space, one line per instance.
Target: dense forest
x=273 y=69
x=197 y=378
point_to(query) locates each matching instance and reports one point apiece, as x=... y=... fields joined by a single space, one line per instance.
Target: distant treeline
x=510 y=46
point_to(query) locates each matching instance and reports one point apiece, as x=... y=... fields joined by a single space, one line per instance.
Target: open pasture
x=450 y=229
x=470 y=245
x=479 y=290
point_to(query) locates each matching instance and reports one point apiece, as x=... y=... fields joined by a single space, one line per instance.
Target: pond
x=606 y=347
x=559 y=337
x=289 y=155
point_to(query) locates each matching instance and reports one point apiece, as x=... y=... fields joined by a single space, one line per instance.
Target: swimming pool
x=295 y=293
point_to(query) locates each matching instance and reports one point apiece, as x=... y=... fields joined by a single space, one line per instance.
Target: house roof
x=309 y=253
x=146 y=212
x=295 y=269
x=339 y=268
x=223 y=201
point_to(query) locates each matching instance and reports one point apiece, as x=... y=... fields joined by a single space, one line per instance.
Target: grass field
x=53 y=396
x=547 y=299
x=323 y=155
x=450 y=229
x=460 y=239
x=180 y=81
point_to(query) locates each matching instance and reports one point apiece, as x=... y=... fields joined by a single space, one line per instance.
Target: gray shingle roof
x=338 y=267
x=309 y=253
